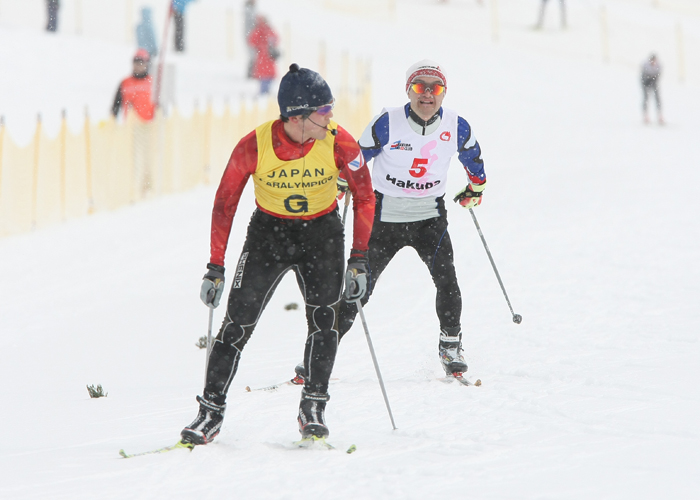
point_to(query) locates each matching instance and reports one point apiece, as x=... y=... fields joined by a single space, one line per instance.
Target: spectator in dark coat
x=178 y=7
x=540 y=21
x=52 y=15
x=651 y=71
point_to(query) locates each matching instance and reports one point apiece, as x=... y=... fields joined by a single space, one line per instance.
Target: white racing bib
x=412 y=165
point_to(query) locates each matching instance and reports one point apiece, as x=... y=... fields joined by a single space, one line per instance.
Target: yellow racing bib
x=295 y=188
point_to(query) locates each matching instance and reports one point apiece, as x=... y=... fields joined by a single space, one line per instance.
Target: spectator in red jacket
x=135 y=92
x=264 y=39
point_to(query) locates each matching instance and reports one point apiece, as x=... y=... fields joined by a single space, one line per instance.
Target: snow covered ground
x=590 y=215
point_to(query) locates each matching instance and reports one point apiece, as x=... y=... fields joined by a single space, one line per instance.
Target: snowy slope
x=591 y=218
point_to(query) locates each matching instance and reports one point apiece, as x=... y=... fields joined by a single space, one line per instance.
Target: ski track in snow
x=591 y=218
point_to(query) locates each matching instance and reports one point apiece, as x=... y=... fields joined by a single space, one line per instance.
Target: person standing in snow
x=651 y=71
x=562 y=10
x=264 y=39
x=294 y=163
x=411 y=147
x=249 y=16
x=179 y=7
x=52 y=7
x=145 y=34
x=134 y=92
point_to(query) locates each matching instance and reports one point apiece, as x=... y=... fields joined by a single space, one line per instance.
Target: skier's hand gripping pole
x=470 y=196
x=212 y=285
x=356 y=276
x=516 y=317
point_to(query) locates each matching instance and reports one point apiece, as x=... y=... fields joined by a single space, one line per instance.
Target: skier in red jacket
x=294 y=164
x=135 y=92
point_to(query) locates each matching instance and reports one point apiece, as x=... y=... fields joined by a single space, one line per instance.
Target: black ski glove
x=356 y=276
x=212 y=285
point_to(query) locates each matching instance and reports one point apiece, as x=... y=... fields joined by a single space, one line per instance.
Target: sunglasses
x=421 y=88
x=324 y=110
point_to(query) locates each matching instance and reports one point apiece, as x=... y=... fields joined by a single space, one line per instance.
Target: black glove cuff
x=358 y=256
x=216 y=267
x=467 y=193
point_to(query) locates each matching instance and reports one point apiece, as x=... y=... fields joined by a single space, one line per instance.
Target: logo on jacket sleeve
x=357 y=163
x=401 y=146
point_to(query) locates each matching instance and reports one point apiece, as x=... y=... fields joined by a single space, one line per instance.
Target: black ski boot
x=451 y=351
x=207 y=424
x=312 y=422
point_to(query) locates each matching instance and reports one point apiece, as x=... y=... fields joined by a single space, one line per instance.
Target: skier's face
x=316 y=125
x=426 y=104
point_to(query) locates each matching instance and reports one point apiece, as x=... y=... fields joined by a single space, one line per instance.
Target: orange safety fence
x=112 y=164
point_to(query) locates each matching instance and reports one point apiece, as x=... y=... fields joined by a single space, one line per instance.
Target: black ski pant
x=653 y=89
x=52 y=15
x=314 y=251
x=432 y=242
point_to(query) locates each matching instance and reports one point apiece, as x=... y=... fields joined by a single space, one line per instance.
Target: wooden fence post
x=322 y=59
x=2 y=142
x=88 y=164
x=208 y=118
x=35 y=171
x=62 y=164
x=78 y=17
x=230 y=31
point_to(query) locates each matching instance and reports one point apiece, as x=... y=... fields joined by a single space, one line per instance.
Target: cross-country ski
x=177 y=446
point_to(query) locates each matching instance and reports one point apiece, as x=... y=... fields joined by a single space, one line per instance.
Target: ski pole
x=516 y=317
x=347 y=204
x=206 y=365
x=374 y=359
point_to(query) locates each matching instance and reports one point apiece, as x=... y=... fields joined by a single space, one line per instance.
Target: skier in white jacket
x=411 y=147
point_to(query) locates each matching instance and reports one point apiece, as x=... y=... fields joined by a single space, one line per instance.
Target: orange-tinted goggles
x=421 y=88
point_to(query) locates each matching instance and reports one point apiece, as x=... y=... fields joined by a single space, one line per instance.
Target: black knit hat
x=302 y=91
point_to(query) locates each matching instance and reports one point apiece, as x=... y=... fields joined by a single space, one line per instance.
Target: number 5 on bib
x=418 y=169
